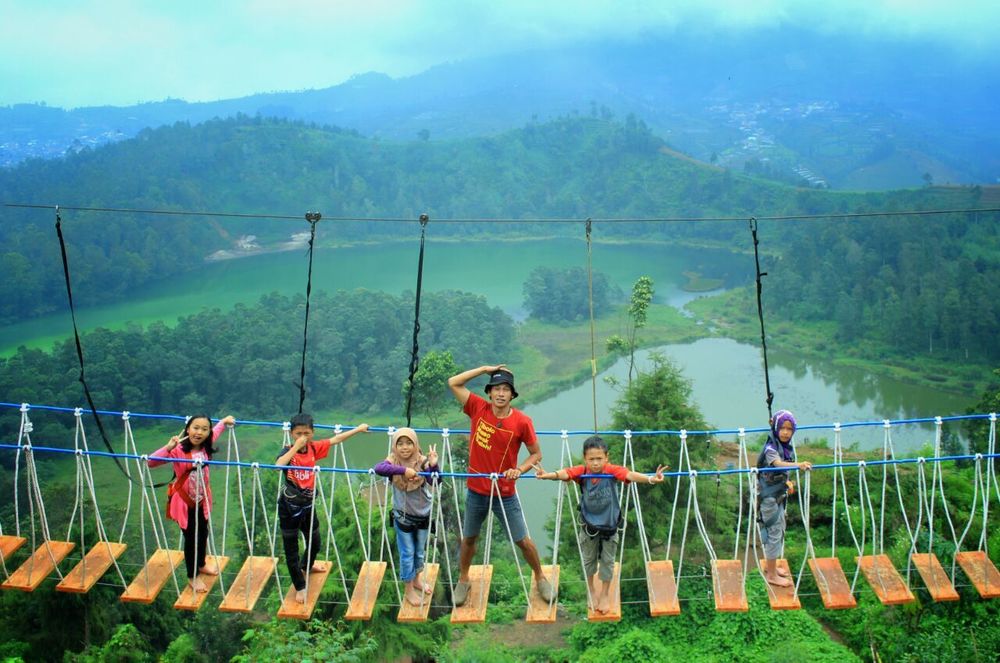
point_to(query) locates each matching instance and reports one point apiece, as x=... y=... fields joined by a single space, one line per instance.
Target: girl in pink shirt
x=190 y=488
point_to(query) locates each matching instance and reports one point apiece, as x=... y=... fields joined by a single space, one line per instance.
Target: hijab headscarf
x=416 y=460
x=779 y=419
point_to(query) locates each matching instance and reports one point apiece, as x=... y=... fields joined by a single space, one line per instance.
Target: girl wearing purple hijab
x=773 y=490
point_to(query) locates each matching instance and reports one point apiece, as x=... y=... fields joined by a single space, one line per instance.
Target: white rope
x=354 y=506
x=839 y=470
x=921 y=504
x=329 y=501
x=990 y=478
x=510 y=536
x=307 y=571
x=331 y=539
x=742 y=461
x=203 y=492
x=687 y=519
x=805 y=505
x=865 y=495
x=889 y=453
x=230 y=443
x=127 y=426
x=146 y=506
x=88 y=472
x=702 y=530
x=35 y=497
x=677 y=488
x=272 y=535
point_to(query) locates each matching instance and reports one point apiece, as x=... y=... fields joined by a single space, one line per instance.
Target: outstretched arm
x=343 y=437
x=457 y=382
x=639 y=477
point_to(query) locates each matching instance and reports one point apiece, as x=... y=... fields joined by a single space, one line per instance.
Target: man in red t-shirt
x=497 y=433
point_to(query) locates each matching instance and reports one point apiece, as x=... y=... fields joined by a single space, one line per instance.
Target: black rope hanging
x=79 y=350
x=415 y=352
x=760 y=314
x=593 y=346
x=313 y=218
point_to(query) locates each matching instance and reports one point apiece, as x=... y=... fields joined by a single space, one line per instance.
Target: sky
x=73 y=53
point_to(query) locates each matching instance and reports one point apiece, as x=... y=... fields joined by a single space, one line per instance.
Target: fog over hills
x=794 y=106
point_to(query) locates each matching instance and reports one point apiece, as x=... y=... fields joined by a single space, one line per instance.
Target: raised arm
x=457 y=382
x=299 y=444
x=343 y=437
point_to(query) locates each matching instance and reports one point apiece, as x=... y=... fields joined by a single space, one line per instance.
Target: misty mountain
x=791 y=106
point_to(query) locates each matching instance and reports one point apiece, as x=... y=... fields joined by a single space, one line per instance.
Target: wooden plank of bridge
x=981 y=572
x=832 y=583
x=782 y=598
x=614 y=613
x=935 y=579
x=154 y=575
x=292 y=609
x=474 y=610
x=10 y=544
x=192 y=600
x=37 y=568
x=662 y=588
x=727 y=586
x=539 y=610
x=366 y=591
x=245 y=591
x=418 y=613
x=90 y=569
x=885 y=580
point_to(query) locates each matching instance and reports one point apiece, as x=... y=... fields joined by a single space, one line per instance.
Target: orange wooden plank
x=782 y=598
x=885 y=580
x=366 y=591
x=539 y=610
x=727 y=586
x=474 y=610
x=10 y=544
x=662 y=588
x=833 y=586
x=981 y=572
x=614 y=613
x=154 y=575
x=192 y=600
x=245 y=591
x=292 y=609
x=418 y=613
x=90 y=569
x=37 y=568
x=935 y=579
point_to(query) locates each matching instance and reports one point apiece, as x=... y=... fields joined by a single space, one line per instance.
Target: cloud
x=120 y=52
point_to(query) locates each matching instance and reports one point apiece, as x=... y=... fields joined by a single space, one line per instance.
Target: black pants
x=195 y=545
x=292 y=521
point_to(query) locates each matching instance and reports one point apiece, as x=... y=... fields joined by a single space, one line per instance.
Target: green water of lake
x=494 y=269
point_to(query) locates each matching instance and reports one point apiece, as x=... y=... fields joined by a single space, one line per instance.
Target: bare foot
x=783 y=573
x=414 y=597
x=197 y=585
x=604 y=603
x=300 y=596
x=318 y=567
x=209 y=570
x=777 y=580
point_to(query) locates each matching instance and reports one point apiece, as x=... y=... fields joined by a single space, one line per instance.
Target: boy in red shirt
x=497 y=433
x=295 y=504
x=600 y=513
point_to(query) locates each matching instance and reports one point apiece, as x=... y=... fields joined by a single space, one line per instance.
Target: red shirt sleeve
x=528 y=436
x=473 y=404
x=321 y=448
x=575 y=472
x=617 y=471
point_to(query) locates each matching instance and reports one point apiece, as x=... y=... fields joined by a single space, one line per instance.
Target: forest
x=905 y=287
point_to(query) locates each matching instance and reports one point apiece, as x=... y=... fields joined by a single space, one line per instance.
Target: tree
x=316 y=640
x=563 y=295
x=642 y=296
x=431 y=395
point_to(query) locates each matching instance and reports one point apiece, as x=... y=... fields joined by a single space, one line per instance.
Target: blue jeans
x=477 y=507
x=411 y=547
